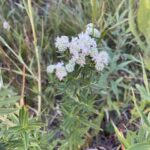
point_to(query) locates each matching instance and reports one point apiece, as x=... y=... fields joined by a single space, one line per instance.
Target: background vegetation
x=107 y=110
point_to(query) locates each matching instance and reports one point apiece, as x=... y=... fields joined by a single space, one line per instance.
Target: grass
x=78 y=112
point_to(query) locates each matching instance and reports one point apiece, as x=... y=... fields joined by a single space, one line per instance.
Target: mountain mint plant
x=80 y=48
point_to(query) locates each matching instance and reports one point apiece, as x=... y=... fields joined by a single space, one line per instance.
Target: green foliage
x=80 y=107
x=139 y=139
x=7 y=99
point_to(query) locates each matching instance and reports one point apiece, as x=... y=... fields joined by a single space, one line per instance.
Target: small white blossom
x=50 y=68
x=90 y=25
x=93 y=32
x=74 y=46
x=90 y=30
x=82 y=44
x=60 y=71
x=102 y=57
x=86 y=43
x=81 y=60
x=62 y=43
x=70 y=67
x=101 y=60
x=99 y=66
x=6 y=25
x=72 y=61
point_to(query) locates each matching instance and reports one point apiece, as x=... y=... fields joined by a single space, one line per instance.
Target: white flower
x=74 y=46
x=6 y=25
x=70 y=67
x=99 y=66
x=81 y=60
x=60 y=71
x=90 y=25
x=90 y=30
x=62 y=43
x=86 y=43
x=101 y=60
x=50 y=68
x=93 y=32
x=72 y=61
x=102 y=57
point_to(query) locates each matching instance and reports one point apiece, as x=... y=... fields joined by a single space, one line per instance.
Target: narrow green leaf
x=140 y=147
x=5 y=111
x=8 y=100
x=121 y=136
x=146 y=122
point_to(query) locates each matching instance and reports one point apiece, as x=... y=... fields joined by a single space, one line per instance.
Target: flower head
x=70 y=66
x=74 y=46
x=81 y=60
x=86 y=43
x=90 y=30
x=62 y=43
x=60 y=71
x=99 y=66
x=102 y=57
x=50 y=68
x=90 y=25
x=101 y=60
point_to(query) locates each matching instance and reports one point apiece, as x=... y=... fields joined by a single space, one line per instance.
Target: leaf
x=115 y=89
x=140 y=147
x=142 y=115
x=122 y=65
x=8 y=100
x=143 y=18
x=5 y=111
x=23 y=116
x=145 y=77
x=121 y=136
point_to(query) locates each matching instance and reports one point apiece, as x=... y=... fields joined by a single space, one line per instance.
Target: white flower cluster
x=62 y=43
x=80 y=47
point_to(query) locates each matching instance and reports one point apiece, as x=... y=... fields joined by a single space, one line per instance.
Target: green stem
x=30 y=14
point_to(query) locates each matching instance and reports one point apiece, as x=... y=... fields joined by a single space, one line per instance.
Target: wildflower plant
x=81 y=50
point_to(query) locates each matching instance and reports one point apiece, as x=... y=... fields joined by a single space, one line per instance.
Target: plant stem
x=30 y=14
x=23 y=86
